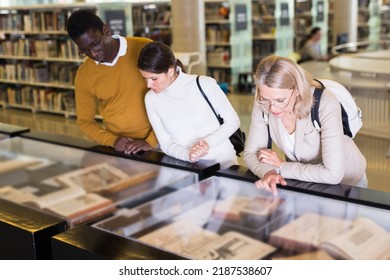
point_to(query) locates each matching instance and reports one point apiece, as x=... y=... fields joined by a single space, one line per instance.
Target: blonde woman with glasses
x=284 y=98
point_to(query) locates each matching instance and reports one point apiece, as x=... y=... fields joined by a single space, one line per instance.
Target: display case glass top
x=223 y=218
x=12 y=130
x=79 y=185
x=3 y=136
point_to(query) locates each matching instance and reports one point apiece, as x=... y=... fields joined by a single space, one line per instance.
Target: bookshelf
x=331 y=35
x=309 y=14
x=153 y=20
x=363 y=18
x=369 y=20
x=264 y=28
x=228 y=40
x=385 y=20
x=142 y=18
x=273 y=29
x=303 y=21
x=38 y=61
x=374 y=21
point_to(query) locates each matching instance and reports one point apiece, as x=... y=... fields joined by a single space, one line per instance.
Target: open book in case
x=77 y=185
x=224 y=218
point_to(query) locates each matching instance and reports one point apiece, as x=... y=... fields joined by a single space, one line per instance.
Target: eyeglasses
x=95 y=47
x=279 y=103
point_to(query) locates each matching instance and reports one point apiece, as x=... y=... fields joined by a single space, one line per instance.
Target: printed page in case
x=230 y=208
x=315 y=255
x=54 y=197
x=232 y=246
x=179 y=237
x=103 y=178
x=364 y=240
x=234 y=207
x=82 y=208
x=10 y=161
x=307 y=232
x=16 y=195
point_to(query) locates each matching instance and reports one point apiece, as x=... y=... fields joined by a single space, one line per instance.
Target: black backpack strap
x=315 y=118
x=344 y=117
x=315 y=115
x=269 y=144
x=220 y=120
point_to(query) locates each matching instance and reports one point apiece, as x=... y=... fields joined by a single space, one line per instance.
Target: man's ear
x=106 y=30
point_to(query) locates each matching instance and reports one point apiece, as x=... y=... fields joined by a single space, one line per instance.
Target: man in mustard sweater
x=108 y=82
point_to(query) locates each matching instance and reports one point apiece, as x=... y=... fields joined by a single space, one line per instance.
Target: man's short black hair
x=81 y=21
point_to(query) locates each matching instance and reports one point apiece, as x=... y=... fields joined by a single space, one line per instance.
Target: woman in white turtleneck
x=182 y=120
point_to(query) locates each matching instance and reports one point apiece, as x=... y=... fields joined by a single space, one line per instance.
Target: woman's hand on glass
x=270 y=157
x=198 y=150
x=269 y=181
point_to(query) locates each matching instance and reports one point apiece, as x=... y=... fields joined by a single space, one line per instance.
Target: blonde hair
x=280 y=72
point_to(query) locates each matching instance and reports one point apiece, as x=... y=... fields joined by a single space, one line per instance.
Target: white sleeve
x=167 y=145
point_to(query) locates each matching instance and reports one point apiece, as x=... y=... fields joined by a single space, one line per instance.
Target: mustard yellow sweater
x=117 y=94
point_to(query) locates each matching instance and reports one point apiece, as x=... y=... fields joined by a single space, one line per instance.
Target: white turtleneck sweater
x=180 y=116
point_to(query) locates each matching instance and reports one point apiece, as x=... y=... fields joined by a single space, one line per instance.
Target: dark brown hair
x=157 y=58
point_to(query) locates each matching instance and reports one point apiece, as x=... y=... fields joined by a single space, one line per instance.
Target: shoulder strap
x=315 y=118
x=220 y=120
x=314 y=111
x=265 y=117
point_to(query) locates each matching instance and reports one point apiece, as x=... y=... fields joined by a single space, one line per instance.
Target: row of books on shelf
x=363 y=17
x=263 y=48
x=42 y=48
x=77 y=195
x=264 y=27
x=267 y=8
x=63 y=73
x=302 y=7
x=218 y=56
x=220 y=75
x=50 y=20
x=363 y=3
x=146 y=15
x=217 y=33
x=217 y=11
x=39 y=98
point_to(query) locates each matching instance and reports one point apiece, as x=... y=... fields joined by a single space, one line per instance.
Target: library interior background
x=225 y=40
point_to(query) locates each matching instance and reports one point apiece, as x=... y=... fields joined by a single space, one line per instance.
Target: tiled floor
x=374 y=149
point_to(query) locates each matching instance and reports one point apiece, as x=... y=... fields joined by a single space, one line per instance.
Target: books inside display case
x=224 y=218
x=77 y=185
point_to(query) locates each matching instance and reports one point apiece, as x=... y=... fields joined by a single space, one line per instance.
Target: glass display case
x=203 y=168
x=224 y=218
x=8 y=130
x=22 y=239
x=3 y=136
x=78 y=185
